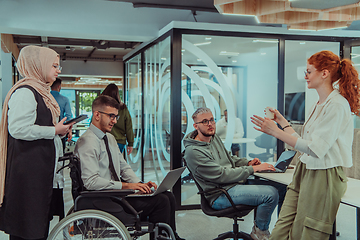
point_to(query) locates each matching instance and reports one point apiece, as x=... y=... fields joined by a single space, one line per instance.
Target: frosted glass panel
x=236 y=74
x=133 y=102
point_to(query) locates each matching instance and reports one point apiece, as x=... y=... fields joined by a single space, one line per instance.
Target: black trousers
x=159 y=208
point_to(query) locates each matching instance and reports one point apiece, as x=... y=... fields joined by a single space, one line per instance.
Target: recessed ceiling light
x=225 y=53
x=263 y=53
x=234 y=61
x=183 y=50
x=266 y=40
x=201 y=44
x=208 y=38
x=199 y=60
x=163 y=58
x=302 y=43
x=354 y=55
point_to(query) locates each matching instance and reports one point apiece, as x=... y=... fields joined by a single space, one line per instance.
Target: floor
x=194 y=225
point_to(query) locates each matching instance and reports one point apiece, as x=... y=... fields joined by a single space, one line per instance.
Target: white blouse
x=21 y=125
x=327 y=135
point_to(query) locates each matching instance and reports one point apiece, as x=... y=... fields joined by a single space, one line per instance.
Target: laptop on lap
x=283 y=162
x=169 y=181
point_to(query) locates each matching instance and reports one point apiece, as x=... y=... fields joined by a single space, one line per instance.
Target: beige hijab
x=34 y=64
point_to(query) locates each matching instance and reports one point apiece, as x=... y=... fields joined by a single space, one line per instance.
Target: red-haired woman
x=319 y=182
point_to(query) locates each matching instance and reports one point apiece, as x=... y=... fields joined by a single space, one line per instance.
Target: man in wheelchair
x=102 y=167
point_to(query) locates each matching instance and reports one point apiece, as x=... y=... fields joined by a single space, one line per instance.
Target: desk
x=283 y=178
x=351 y=196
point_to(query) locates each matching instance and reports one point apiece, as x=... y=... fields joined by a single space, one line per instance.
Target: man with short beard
x=103 y=167
x=213 y=166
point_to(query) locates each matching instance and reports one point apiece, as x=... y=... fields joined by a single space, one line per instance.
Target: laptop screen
x=285 y=159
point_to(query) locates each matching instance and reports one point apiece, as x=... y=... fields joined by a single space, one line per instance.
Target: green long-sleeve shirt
x=123 y=130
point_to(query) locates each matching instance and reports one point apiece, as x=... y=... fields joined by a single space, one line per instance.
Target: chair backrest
x=77 y=185
x=265 y=141
x=205 y=205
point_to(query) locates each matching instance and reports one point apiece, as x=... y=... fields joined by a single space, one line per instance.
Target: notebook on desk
x=282 y=163
x=169 y=181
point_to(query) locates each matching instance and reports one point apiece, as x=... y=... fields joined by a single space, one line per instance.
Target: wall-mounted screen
x=295 y=107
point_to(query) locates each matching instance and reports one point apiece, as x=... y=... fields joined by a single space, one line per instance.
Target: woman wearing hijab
x=30 y=145
x=122 y=130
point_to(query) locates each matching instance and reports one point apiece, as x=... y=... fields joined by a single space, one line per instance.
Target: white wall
x=6 y=62
x=262 y=85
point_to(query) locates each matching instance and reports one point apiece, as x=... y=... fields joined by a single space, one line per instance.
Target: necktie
x=111 y=164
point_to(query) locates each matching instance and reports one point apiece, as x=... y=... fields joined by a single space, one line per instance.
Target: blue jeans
x=254 y=192
x=121 y=147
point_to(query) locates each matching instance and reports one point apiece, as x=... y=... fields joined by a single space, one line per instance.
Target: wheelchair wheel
x=89 y=224
x=71 y=211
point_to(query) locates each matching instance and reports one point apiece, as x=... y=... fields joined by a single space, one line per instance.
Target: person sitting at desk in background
x=58 y=186
x=319 y=182
x=212 y=166
x=122 y=130
x=221 y=129
x=30 y=146
x=101 y=169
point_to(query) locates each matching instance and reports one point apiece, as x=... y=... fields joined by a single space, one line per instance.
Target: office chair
x=236 y=212
x=264 y=141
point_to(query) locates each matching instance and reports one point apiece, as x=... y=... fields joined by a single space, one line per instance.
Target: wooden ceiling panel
x=281 y=12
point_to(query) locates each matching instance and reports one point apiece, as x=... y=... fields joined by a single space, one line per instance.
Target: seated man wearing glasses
x=102 y=166
x=213 y=166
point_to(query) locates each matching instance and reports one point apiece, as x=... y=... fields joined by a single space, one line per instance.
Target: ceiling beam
x=169 y=6
x=23 y=40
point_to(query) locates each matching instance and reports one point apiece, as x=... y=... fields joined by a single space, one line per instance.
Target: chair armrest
x=107 y=193
x=213 y=190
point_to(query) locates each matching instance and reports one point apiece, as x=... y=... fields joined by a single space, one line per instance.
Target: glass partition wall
x=242 y=73
x=157 y=111
x=355 y=57
x=133 y=100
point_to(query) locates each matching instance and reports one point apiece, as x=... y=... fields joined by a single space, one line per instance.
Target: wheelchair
x=103 y=214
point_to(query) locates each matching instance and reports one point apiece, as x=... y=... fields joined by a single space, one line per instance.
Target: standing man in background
x=221 y=129
x=64 y=103
x=58 y=183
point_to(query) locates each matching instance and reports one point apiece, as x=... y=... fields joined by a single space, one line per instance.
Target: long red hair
x=342 y=71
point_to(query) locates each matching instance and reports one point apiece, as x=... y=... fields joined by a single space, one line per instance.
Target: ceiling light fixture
x=266 y=41
x=225 y=53
x=201 y=44
x=354 y=55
